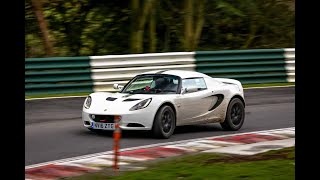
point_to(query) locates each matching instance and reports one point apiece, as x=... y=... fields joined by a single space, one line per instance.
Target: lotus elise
x=159 y=101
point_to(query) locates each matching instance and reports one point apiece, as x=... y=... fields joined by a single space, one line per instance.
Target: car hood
x=114 y=103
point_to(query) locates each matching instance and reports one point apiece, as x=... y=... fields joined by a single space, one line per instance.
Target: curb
x=248 y=143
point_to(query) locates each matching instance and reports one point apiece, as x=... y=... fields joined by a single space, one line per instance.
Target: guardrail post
x=116 y=138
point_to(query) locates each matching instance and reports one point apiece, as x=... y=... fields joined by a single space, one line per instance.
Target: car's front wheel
x=235 y=115
x=164 y=123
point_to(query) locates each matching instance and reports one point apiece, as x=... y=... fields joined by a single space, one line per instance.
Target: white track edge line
x=147 y=146
x=267 y=87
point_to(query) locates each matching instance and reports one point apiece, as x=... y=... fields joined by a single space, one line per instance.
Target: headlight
x=87 y=102
x=141 y=104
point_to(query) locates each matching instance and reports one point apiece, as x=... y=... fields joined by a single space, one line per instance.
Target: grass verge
x=55 y=95
x=268 y=84
x=275 y=164
x=84 y=94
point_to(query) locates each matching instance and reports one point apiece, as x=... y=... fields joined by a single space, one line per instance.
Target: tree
x=37 y=7
x=193 y=23
x=152 y=28
x=99 y=27
x=140 y=10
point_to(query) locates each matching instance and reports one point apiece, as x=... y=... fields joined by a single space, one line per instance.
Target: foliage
x=97 y=27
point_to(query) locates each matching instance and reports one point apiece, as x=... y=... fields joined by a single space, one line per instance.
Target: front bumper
x=135 y=120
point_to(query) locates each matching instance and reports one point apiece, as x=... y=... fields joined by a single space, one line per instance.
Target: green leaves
x=229 y=9
x=99 y=27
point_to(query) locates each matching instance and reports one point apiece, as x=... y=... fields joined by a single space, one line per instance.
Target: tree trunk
x=37 y=7
x=252 y=35
x=152 y=30
x=134 y=17
x=193 y=23
x=167 y=39
x=138 y=20
x=84 y=11
x=188 y=24
x=199 y=25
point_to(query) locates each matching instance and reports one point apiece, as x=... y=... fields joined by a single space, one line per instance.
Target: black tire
x=235 y=115
x=164 y=123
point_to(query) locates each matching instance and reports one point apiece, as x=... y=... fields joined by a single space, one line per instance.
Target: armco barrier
x=290 y=63
x=107 y=70
x=247 y=66
x=59 y=75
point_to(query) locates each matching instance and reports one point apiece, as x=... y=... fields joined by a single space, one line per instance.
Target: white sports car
x=161 y=100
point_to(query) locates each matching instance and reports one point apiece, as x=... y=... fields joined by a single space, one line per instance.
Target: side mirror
x=192 y=89
x=189 y=90
x=183 y=90
x=117 y=86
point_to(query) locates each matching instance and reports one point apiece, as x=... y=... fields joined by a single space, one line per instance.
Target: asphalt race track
x=54 y=130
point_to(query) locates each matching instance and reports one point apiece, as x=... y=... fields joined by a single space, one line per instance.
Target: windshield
x=153 y=84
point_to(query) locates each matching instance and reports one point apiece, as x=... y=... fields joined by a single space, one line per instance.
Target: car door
x=193 y=104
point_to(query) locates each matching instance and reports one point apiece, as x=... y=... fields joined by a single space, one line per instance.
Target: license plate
x=108 y=126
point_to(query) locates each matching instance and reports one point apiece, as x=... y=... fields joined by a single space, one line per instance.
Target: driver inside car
x=161 y=83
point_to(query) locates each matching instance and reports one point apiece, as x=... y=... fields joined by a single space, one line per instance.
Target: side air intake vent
x=131 y=99
x=219 y=101
x=111 y=99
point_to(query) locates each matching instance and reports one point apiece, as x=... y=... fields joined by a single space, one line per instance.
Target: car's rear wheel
x=164 y=123
x=235 y=115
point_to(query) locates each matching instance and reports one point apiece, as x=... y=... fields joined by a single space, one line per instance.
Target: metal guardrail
x=290 y=64
x=110 y=69
x=60 y=75
x=57 y=75
x=247 y=66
